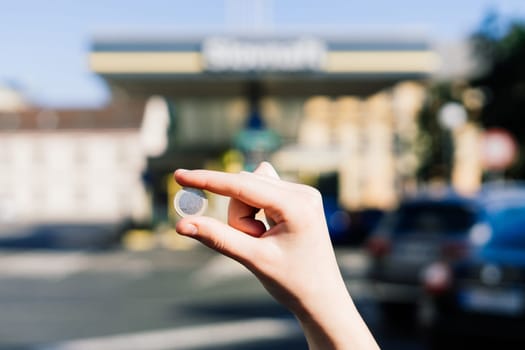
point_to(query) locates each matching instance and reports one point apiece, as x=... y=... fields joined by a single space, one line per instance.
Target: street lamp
x=451 y=116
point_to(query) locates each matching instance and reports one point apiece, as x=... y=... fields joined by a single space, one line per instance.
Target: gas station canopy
x=282 y=65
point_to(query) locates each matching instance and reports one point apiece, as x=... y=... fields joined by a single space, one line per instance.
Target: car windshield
x=433 y=217
x=509 y=228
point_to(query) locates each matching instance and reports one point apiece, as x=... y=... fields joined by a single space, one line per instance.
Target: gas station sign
x=265 y=55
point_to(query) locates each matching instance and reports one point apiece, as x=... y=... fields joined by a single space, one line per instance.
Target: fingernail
x=190 y=229
x=181 y=170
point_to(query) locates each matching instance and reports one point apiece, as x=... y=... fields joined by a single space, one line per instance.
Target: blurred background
x=408 y=117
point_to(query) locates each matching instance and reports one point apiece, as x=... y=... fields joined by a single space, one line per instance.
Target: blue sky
x=44 y=44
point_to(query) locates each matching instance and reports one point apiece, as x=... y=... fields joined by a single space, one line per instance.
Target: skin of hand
x=293 y=259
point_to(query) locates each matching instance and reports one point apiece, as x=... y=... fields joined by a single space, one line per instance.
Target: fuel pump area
x=339 y=113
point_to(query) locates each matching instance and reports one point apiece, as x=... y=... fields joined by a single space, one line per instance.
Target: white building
x=70 y=166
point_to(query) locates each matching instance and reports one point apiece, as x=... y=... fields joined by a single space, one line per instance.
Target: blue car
x=483 y=294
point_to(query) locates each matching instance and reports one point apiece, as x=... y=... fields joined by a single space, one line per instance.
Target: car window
x=433 y=217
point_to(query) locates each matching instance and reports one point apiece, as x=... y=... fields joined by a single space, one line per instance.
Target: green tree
x=435 y=158
x=500 y=44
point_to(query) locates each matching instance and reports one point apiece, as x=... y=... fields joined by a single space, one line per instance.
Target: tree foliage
x=500 y=44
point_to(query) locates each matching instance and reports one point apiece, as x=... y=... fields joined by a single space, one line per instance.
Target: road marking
x=59 y=265
x=219 y=269
x=194 y=337
x=41 y=265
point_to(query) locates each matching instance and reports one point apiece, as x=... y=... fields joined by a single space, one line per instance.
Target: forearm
x=335 y=324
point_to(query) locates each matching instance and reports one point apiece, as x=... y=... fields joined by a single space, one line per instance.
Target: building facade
x=340 y=105
x=71 y=165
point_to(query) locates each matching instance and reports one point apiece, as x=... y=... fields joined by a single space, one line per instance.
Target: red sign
x=498 y=149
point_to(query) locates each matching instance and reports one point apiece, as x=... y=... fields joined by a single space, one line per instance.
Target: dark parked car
x=484 y=292
x=60 y=236
x=423 y=229
x=337 y=219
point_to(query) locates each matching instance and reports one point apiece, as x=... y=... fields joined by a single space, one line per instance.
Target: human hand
x=292 y=255
x=293 y=258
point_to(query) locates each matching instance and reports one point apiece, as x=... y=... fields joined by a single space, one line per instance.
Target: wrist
x=333 y=322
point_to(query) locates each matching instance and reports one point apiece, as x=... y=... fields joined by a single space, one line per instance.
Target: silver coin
x=190 y=201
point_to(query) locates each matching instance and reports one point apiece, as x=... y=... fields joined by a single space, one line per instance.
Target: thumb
x=218 y=236
x=266 y=169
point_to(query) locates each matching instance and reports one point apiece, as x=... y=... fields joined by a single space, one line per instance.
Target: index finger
x=252 y=189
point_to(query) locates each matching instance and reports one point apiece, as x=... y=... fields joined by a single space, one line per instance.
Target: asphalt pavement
x=158 y=299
